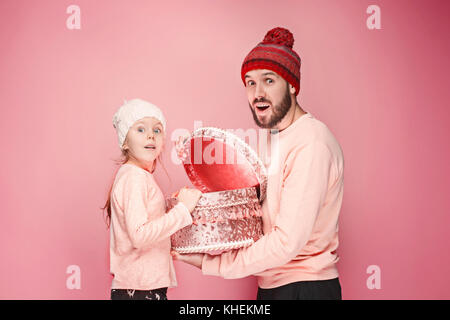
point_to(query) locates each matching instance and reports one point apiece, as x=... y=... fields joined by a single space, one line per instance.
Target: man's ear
x=291 y=89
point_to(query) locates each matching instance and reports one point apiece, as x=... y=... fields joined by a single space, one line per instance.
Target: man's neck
x=295 y=113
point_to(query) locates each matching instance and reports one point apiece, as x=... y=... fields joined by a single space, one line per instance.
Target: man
x=296 y=257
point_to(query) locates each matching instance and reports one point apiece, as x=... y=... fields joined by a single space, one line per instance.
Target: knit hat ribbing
x=275 y=53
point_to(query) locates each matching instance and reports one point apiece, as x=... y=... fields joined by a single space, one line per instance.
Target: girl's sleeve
x=303 y=194
x=139 y=198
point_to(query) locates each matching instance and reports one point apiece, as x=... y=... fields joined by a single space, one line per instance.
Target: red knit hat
x=275 y=53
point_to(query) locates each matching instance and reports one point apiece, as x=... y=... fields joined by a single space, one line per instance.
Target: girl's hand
x=189 y=197
x=179 y=147
x=194 y=259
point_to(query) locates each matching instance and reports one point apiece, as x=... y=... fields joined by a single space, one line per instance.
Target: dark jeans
x=131 y=294
x=304 y=290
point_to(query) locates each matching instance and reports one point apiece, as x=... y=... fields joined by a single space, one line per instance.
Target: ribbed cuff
x=181 y=207
x=210 y=265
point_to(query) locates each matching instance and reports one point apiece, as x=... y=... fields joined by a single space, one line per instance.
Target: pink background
x=384 y=93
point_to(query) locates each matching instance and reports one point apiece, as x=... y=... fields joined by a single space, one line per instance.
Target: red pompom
x=280 y=36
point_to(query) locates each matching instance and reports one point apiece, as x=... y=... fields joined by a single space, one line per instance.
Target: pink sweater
x=140 y=230
x=300 y=213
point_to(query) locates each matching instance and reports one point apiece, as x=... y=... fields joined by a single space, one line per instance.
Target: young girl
x=140 y=229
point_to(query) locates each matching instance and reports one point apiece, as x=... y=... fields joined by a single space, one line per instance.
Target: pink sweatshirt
x=140 y=230
x=300 y=213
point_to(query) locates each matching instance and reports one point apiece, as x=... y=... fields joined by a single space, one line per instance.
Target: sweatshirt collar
x=292 y=127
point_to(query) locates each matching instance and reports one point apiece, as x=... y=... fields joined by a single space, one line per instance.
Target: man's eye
x=269 y=80
x=250 y=83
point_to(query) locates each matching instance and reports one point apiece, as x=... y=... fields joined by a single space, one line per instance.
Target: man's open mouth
x=262 y=106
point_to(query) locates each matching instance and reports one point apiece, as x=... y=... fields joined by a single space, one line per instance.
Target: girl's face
x=144 y=142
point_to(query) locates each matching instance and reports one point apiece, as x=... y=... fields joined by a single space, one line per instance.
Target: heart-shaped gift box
x=233 y=180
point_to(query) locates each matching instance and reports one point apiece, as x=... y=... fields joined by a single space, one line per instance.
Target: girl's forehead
x=149 y=121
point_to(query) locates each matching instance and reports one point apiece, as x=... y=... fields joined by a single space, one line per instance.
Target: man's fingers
x=175 y=255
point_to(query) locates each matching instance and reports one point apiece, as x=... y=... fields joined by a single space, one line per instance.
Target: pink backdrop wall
x=384 y=93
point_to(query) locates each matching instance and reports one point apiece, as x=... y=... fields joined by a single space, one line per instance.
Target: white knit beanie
x=132 y=111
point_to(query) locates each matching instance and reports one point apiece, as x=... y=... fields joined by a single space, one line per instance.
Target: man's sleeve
x=303 y=192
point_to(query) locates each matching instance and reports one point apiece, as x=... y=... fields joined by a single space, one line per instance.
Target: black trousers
x=304 y=290
x=131 y=294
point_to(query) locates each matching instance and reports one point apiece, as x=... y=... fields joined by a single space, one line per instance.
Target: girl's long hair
x=125 y=159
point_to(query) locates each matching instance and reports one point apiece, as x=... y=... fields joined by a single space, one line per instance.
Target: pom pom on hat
x=279 y=36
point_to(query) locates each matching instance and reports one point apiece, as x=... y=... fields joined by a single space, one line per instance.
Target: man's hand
x=194 y=259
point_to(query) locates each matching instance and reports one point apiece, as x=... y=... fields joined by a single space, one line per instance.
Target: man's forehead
x=260 y=72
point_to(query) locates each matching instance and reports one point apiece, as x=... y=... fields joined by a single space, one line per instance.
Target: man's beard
x=278 y=112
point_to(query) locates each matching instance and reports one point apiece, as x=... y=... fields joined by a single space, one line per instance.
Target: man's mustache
x=261 y=100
